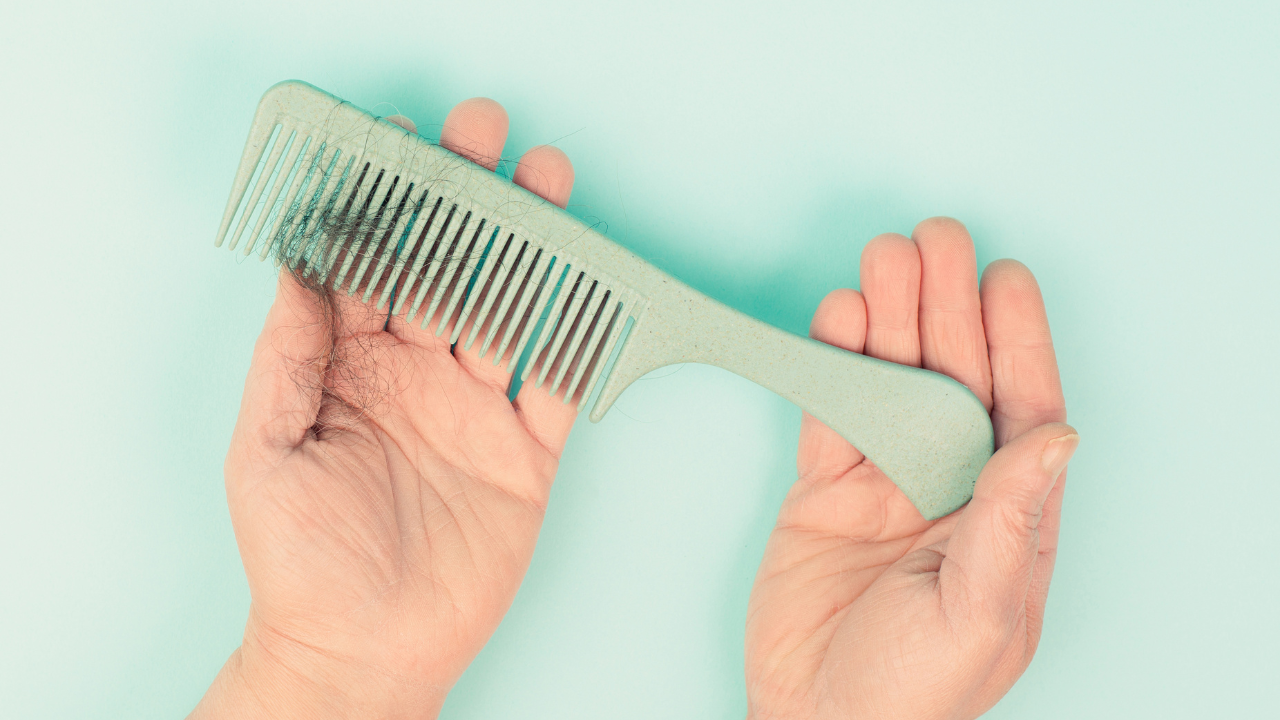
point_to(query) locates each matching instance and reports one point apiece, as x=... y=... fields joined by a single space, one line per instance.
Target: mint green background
x=1127 y=152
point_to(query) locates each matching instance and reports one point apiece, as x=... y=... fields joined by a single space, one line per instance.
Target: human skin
x=382 y=550
x=384 y=533
x=861 y=607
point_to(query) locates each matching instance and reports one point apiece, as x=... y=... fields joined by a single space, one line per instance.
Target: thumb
x=992 y=551
x=283 y=389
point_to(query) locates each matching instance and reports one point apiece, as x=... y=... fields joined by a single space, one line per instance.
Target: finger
x=476 y=129
x=991 y=554
x=1027 y=392
x=285 y=383
x=891 y=287
x=840 y=320
x=835 y=493
x=1025 y=387
x=547 y=172
x=952 y=340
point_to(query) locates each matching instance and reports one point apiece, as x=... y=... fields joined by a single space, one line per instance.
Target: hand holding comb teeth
x=358 y=204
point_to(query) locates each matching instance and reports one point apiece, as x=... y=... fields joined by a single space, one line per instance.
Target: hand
x=862 y=608
x=386 y=495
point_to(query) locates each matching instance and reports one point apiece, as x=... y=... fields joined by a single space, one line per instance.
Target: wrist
x=271 y=676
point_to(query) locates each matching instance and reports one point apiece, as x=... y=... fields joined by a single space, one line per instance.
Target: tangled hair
x=317 y=244
x=354 y=251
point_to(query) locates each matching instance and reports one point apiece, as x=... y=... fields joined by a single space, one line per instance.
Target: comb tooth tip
x=457 y=331
x=477 y=322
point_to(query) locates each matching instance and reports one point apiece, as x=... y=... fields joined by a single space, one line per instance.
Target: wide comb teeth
x=361 y=206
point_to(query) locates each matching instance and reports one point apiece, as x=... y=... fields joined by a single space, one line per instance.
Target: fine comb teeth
x=360 y=205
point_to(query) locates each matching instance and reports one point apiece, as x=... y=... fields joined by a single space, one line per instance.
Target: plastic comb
x=360 y=205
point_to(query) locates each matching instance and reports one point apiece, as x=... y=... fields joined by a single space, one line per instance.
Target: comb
x=360 y=205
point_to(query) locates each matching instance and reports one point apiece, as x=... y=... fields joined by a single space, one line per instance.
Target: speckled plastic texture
x=501 y=254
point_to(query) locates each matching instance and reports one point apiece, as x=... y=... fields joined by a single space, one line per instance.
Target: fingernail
x=1057 y=452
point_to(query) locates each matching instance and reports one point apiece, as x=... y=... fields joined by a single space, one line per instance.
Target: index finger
x=1027 y=392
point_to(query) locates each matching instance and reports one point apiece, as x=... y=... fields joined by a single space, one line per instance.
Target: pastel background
x=1127 y=152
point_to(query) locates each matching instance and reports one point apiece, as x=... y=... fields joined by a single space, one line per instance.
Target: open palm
x=386 y=495
x=861 y=607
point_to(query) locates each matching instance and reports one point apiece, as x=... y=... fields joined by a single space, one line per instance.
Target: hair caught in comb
x=405 y=250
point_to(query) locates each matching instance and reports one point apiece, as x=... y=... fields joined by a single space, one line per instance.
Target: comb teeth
x=364 y=208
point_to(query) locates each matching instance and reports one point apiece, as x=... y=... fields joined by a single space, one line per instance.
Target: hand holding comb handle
x=363 y=206
x=929 y=434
